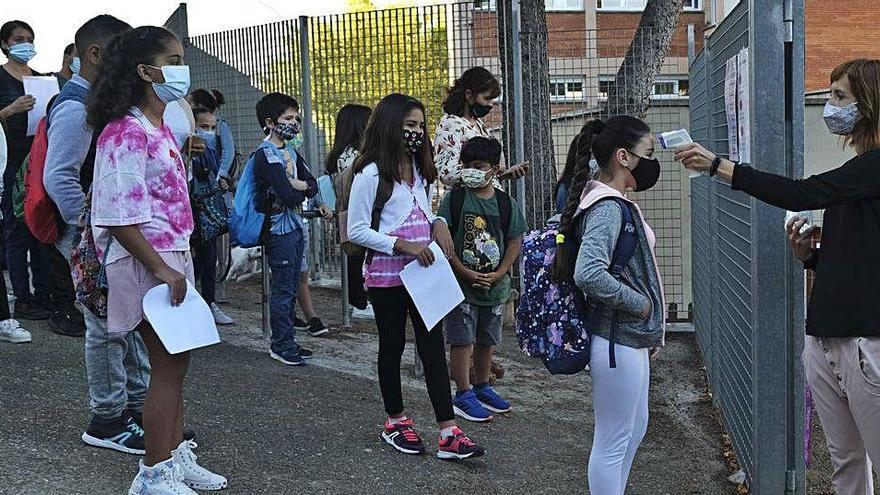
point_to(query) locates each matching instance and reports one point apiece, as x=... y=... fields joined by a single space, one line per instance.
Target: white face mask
x=841 y=120
x=474 y=178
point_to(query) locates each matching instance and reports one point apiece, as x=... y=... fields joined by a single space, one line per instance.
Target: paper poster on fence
x=743 y=119
x=730 y=107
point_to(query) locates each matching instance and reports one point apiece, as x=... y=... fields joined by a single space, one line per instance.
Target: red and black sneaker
x=458 y=446
x=403 y=437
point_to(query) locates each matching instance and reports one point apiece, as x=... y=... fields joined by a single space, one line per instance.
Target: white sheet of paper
x=743 y=117
x=730 y=107
x=434 y=289
x=43 y=88
x=182 y=328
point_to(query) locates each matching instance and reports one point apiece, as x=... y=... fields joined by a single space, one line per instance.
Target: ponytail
x=597 y=139
x=566 y=253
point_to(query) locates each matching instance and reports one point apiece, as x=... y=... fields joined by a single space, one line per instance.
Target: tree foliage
x=363 y=55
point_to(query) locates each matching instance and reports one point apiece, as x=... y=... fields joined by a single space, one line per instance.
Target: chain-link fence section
x=583 y=68
x=360 y=57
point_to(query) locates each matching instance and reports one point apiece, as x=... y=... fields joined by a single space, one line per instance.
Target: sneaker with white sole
x=11 y=331
x=195 y=476
x=165 y=478
x=121 y=434
x=220 y=317
x=364 y=314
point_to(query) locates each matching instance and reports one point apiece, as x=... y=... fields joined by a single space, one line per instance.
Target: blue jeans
x=285 y=253
x=117 y=365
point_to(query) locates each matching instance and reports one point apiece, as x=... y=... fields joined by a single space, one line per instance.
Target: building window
x=664 y=89
x=639 y=5
x=564 y=5
x=485 y=5
x=566 y=89
x=670 y=89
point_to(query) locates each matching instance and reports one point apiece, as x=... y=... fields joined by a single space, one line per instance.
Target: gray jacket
x=640 y=283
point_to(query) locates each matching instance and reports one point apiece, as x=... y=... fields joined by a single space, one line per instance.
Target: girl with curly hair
x=142 y=221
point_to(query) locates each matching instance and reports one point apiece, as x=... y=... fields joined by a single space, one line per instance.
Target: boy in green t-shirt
x=487 y=227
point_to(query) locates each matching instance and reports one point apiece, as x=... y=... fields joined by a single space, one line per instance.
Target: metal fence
x=359 y=57
x=748 y=294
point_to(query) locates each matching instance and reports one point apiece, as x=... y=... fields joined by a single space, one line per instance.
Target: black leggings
x=206 y=269
x=391 y=306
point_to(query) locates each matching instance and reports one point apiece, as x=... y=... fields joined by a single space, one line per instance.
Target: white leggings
x=620 y=404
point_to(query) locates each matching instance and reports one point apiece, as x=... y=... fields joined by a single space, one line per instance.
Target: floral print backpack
x=89 y=279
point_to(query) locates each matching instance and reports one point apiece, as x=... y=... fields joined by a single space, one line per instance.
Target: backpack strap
x=456 y=204
x=384 y=190
x=627 y=241
x=505 y=210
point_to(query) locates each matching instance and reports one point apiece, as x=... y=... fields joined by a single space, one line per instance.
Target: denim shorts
x=469 y=324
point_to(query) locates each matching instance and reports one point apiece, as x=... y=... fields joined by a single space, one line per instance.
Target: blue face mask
x=210 y=137
x=75 y=65
x=176 y=84
x=23 y=52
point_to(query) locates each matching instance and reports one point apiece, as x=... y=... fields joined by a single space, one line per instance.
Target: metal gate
x=748 y=292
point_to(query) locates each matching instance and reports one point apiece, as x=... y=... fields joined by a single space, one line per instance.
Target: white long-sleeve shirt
x=395 y=212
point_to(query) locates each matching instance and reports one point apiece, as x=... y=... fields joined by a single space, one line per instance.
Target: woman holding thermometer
x=842 y=347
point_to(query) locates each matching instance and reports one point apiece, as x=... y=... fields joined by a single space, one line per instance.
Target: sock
x=447 y=432
x=459 y=393
x=481 y=386
x=159 y=465
x=394 y=421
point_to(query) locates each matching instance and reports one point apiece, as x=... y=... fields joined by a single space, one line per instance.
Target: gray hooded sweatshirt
x=640 y=284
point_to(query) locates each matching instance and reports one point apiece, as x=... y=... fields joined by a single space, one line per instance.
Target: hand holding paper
x=180 y=328
x=434 y=289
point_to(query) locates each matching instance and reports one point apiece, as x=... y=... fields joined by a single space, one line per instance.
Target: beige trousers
x=844 y=375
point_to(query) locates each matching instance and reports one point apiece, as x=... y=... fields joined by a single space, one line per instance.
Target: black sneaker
x=188 y=434
x=299 y=324
x=67 y=324
x=403 y=437
x=122 y=434
x=317 y=327
x=305 y=353
x=30 y=310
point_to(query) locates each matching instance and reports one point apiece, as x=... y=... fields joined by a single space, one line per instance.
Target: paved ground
x=314 y=430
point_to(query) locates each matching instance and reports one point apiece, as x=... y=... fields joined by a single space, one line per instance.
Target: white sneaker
x=195 y=476
x=165 y=478
x=11 y=331
x=220 y=317
x=364 y=314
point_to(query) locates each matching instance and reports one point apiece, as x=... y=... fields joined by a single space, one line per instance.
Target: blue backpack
x=554 y=320
x=246 y=224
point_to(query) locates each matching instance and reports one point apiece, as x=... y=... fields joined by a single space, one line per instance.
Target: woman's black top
x=845 y=301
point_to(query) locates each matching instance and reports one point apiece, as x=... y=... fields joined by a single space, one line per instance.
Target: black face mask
x=480 y=111
x=646 y=173
x=413 y=141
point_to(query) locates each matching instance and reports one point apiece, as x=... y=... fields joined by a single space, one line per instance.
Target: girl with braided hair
x=630 y=322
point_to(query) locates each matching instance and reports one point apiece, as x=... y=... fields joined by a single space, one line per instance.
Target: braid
x=563 y=264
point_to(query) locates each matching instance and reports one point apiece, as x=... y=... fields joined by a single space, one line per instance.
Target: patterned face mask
x=287 y=130
x=841 y=120
x=413 y=141
x=475 y=179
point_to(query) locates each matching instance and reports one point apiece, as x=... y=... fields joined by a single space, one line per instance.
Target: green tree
x=363 y=55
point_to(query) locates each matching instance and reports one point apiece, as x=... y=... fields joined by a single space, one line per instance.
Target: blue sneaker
x=490 y=399
x=288 y=358
x=468 y=407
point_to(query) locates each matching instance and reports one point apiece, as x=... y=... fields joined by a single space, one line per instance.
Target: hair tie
x=560 y=238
